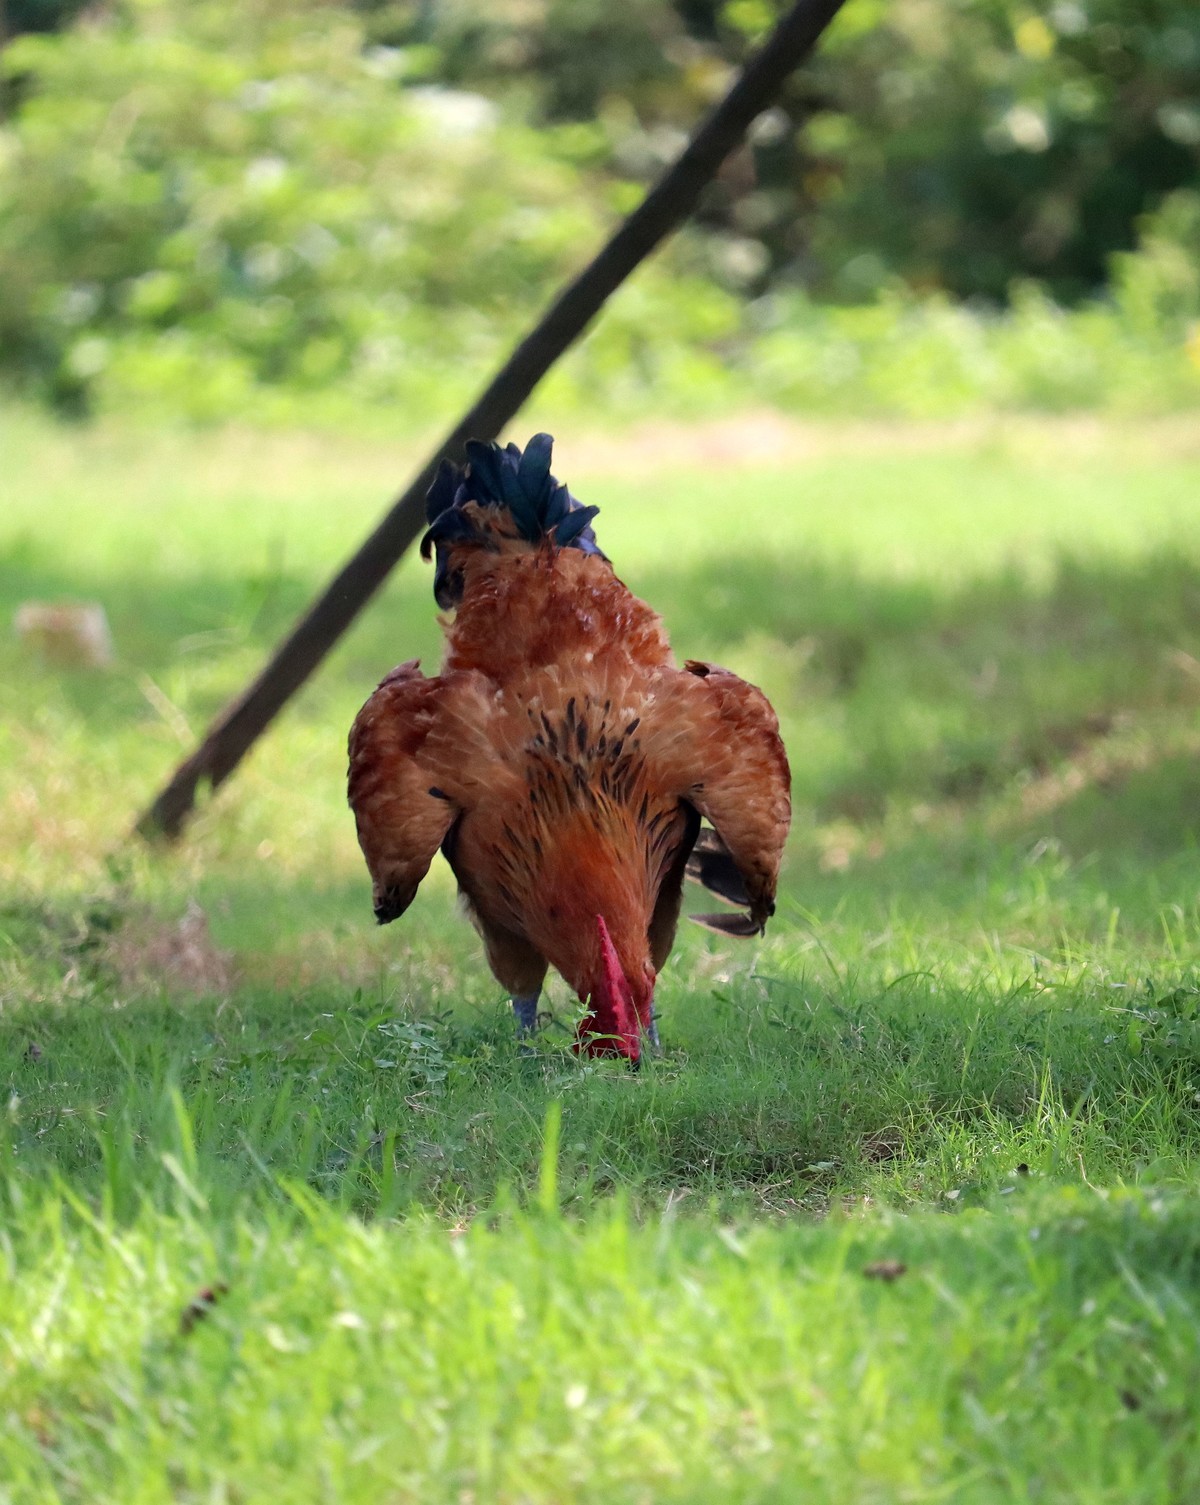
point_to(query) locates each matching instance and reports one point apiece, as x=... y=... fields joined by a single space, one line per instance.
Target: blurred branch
x=662 y=211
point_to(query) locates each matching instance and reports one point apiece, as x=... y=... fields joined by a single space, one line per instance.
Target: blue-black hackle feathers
x=441 y=494
x=558 y=506
x=495 y=477
x=519 y=481
x=574 y=525
x=451 y=526
x=533 y=471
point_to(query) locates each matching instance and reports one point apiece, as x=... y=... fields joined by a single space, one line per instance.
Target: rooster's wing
x=401 y=813
x=716 y=739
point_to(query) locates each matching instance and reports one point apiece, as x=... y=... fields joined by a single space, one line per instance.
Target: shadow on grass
x=892 y=694
x=775 y=1096
x=948 y=695
x=920 y=693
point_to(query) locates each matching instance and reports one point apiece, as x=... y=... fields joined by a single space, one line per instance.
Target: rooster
x=560 y=761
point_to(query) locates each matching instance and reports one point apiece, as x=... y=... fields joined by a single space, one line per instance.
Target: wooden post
x=663 y=210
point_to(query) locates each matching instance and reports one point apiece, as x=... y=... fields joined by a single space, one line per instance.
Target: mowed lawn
x=907 y=1210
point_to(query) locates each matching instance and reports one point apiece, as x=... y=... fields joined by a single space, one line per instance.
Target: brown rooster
x=560 y=761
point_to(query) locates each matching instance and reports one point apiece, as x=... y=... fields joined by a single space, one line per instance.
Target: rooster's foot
x=525 y=1011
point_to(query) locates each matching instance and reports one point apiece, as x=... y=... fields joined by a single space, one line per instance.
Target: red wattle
x=618 y=997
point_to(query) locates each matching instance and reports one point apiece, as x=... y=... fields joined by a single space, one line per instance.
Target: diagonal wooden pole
x=663 y=210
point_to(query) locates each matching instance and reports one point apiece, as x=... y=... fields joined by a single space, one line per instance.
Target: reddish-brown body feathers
x=562 y=763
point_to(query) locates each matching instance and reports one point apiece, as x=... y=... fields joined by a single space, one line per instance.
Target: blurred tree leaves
x=984 y=141
x=214 y=199
x=245 y=195
x=954 y=144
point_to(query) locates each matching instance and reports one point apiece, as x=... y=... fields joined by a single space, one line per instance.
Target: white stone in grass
x=75 y=634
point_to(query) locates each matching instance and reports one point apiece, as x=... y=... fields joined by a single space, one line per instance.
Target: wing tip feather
x=392 y=902
x=741 y=925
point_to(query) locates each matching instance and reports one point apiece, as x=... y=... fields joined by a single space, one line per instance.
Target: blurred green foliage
x=222 y=208
x=957 y=144
x=214 y=198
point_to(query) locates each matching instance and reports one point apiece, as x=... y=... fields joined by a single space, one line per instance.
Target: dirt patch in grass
x=149 y=954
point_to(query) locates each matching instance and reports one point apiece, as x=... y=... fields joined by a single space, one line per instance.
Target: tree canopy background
x=224 y=207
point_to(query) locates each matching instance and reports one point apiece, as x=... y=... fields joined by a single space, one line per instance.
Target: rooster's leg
x=525 y=1012
x=652 y=1035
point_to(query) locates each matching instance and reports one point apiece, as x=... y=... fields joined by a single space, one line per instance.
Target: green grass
x=970 y=1044
x=1051 y=1349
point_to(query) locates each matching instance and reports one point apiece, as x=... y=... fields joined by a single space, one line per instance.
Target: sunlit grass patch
x=1049 y=1348
x=969 y=1045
